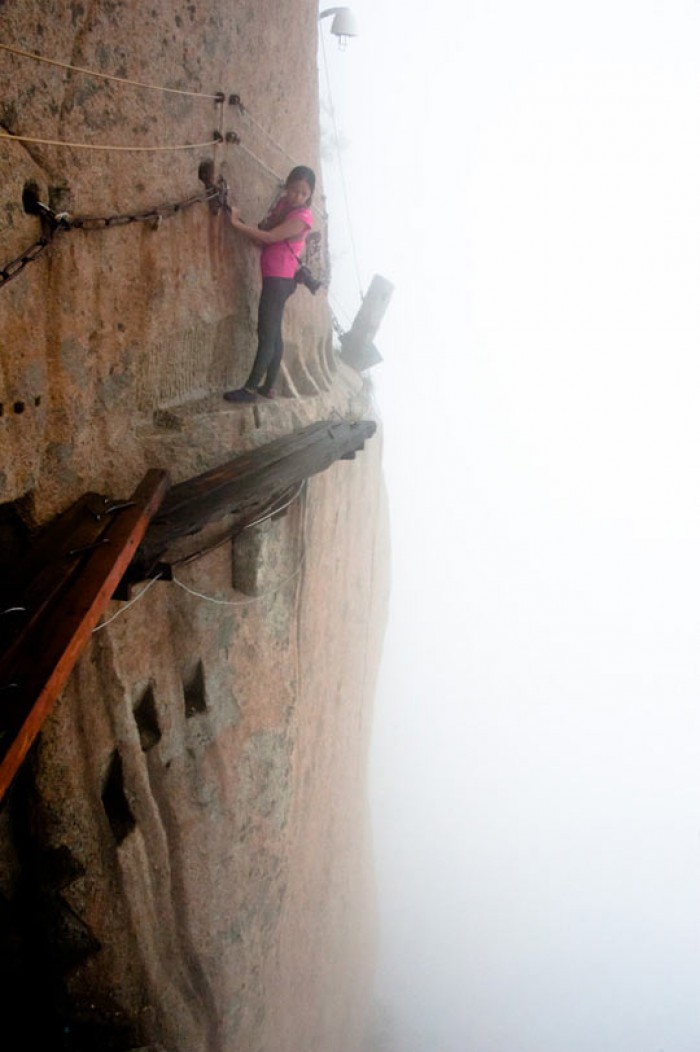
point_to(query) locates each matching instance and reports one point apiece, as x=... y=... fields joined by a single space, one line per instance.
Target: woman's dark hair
x=302 y=172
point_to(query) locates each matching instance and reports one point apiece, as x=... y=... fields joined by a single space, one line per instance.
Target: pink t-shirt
x=277 y=261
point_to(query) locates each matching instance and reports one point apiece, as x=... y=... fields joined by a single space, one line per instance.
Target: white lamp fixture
x=344 y=24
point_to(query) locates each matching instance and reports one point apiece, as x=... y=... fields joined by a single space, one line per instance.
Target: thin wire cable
x=280 y=584
x=279 y=178
x=337 y=307
x=245 y=112
x=320 y=212
x=298 y=607
x=107 y=76
x=93 y=146
x=241 y=602
x=270 y=171
x=125 y=608
x=249 y=116
x=342 y=170
x=211 y=599
x=194 y=556
x=276 y=511
x=185 y=560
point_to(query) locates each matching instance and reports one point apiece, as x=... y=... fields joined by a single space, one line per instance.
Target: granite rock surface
x=185 y=860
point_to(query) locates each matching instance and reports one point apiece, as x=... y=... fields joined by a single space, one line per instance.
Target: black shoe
x=241 y=394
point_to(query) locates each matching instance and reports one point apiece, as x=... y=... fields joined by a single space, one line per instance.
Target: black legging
x=274 y=295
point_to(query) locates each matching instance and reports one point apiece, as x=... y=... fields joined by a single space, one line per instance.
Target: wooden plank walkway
x=77 y=562
x=251 y=480
x=70 y=578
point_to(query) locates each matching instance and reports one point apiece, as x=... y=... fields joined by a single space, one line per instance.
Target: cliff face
x=112 y=324
x=185 y=859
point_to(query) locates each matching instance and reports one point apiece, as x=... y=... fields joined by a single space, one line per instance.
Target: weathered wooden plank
x=51 y=562
x=296 y=456
x=255 y=460
x=249 y=481
x=51 y=646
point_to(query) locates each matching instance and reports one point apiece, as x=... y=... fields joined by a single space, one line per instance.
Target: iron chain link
x=16 y=266
x=54 y=223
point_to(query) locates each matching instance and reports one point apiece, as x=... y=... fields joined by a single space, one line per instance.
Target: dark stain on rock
x=86 y=92
x=73 y=359
x=112 y=388
x=103 y=57
x=166 y=421
x=62 y=452
x=226 y=628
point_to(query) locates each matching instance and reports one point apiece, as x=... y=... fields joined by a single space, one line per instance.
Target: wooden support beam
x=36 y=665
x=256 y=478
x=54 y=557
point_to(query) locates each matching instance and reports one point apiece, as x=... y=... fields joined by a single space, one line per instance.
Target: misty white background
x=528 y=175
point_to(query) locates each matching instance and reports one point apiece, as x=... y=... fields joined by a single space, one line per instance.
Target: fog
x=528 y=175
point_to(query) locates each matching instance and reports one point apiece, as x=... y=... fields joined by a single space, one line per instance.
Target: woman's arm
x=288 y=230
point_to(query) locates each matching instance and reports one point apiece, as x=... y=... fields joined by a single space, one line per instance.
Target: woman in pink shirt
x=281 y=236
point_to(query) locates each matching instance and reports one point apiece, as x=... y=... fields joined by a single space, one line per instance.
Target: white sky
x=528 y=175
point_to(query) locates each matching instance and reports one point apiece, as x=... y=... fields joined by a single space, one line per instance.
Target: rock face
x=115 y=323
x=184 y=861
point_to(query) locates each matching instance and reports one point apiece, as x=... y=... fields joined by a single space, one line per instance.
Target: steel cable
x=96 y=146
x=219 y=97
x=342 y=170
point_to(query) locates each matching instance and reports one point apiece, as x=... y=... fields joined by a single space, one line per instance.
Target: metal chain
x=16 y=266
x=54 y=223
x=154 y=215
